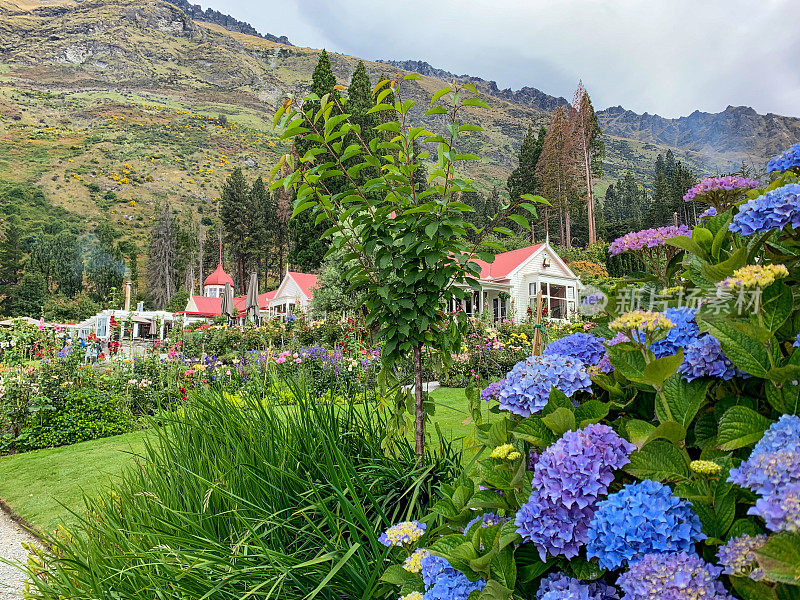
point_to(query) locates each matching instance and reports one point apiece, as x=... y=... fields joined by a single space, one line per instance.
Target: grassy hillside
x=112 y=106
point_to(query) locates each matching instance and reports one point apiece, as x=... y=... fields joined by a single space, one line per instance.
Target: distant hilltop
x=196 y=12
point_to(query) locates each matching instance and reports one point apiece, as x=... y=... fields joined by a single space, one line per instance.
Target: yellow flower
x=642 y=320
x=513 y=455
x=502 y=452
x=413 y=563
x=753 y=276
x=412 y=596
x=705 y=467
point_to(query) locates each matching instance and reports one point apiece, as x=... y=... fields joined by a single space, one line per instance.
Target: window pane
x=558 y=291
x=571 y=292
x=558 y=308
x=532 y=289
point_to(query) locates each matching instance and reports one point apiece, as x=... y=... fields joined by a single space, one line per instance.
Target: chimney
x=128 y=295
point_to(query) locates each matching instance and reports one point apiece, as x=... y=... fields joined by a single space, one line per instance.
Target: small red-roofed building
x=294 y=294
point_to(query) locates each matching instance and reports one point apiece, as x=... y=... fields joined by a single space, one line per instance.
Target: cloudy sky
x=668 y=57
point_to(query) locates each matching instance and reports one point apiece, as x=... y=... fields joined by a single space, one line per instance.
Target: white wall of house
x=289 y=293
x=555 y=280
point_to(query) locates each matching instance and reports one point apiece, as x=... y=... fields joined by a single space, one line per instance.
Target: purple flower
x=647 y=238
x=797 y=341
x=558 y=586
x=605 y=366
x=780 y=509
x=788 y=159
x=527 y=386
x=486 y=520
x=678 y=576
x=402 y=534
x=642 y=518
x=770 y=212
x=619 y=338
x=578 y=468
x=552 y=527
x=775 y=461
x=703 y=357
x=584 y=347
x=707 y=213
x=738 y=556
x=492 y=390
x=711 y=188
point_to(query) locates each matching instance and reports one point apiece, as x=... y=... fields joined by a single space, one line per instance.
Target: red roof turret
x=218 y=277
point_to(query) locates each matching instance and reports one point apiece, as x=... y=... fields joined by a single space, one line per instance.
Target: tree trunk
x=589 y=193
x=419 y=408
x=567 y=229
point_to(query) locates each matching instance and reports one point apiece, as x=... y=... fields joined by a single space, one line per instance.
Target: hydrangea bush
x=659 y=456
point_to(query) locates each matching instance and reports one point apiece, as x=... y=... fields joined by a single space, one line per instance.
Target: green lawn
x=44 y=485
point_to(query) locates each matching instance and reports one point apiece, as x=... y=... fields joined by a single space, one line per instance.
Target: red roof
x=306 y=281
x=218 y=277
x=208 y=306
x=505 y=262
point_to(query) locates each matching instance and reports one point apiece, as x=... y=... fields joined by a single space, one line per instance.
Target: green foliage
x=306 y=490
x=178 y=301
x=59 y=308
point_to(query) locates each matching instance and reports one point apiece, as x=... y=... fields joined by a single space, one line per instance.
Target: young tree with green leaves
x=407 y=243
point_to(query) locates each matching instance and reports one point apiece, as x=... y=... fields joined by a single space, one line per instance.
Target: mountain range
x=111 y=107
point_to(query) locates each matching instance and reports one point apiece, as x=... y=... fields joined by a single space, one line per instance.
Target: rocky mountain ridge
x=209 y=15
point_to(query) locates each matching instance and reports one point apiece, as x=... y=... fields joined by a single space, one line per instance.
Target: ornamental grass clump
x=720 y=192
x=643 y=518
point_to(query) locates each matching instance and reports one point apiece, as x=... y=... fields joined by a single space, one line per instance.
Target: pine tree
x=360 y=101
x=523 y=179
x=11 y=261
x=162 y=256
x=236 y=222
x=265 y=220
x=308 y=246
x=105 y=268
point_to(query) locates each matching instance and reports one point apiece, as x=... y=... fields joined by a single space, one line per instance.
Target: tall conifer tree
x=236 y=221
x=523 y=179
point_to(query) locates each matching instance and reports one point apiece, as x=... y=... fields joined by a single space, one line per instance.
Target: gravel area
x=12 y=536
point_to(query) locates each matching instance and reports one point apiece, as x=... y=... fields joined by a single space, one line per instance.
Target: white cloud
x=669 y=57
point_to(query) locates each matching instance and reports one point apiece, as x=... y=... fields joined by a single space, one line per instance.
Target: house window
x=554 y=299
x=499 y=308
x=102 y=327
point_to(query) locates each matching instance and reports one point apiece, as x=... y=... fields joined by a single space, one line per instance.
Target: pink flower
x=298 y=360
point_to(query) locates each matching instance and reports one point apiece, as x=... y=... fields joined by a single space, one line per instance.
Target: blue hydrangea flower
x=707 y=214
x=772 y=211
x=680 y=336
x=443 y=582
x=788 y=159
x=578 y=468
x=642 y=518
x=678 y=576
x=584 y=347
x=604 y=366
x=552 y=527
x=402 y=534
x=738 y=556
x=528 y=384
x=703 y=357
x=558 y=586
x=797 y=341
x=775 y=460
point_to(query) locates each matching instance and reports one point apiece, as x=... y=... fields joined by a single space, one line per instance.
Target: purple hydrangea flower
x=703 y=357
x=681 y=335
x=775 y=461
x=678 y=576
x=780 y=509
x=578 y=468
x=552 y=527
x=533 y=458
x=797 y=341
x=443 y=582
x=558 y=586
x=771 y=211
x=584 y=347
x=738 y=556
x=707 y=214
x=605 y=366
x=492 y=390
x=527 y=386
x=788 y=159
x=642 y=518
x=619 y=338
x=719 y=186
x=647 y=238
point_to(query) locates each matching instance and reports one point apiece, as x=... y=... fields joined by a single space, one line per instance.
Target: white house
x=510 y=283
x=294 y=294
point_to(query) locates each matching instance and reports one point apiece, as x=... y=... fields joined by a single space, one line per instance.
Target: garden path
x=12 y=536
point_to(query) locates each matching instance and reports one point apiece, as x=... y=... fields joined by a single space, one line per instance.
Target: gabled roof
x=305 y=281
x=218 y=277
x=505 y=262
x=207 y=306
